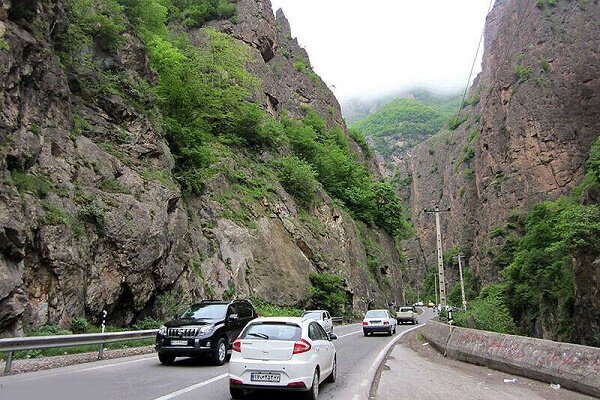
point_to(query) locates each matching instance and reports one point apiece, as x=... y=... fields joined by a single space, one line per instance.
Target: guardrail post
x=101 y=351
x=9 y=358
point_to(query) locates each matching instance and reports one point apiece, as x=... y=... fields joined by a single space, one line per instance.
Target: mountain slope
x=137 y=177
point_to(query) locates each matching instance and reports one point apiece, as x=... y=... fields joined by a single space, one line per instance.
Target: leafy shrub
x=522 y=73
x=457 y=121
x=79 y=325
x=147 y=323
x=197 y=12
x=266 y=309
x=342 y=175
x=328 y=292
x=488 y=312
x=39 y=186
x=94 y=21
x=299 y=179
x=49 y=330
x=359 y=138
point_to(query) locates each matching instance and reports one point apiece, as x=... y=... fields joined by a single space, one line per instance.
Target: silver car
x=322 y=317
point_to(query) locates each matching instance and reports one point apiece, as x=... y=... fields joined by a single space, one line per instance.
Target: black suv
x=205 y=328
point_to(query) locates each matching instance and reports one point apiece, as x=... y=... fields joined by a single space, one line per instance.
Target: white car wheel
x=313 y=392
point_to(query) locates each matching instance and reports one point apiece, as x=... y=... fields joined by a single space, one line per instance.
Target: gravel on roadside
x=36 y=364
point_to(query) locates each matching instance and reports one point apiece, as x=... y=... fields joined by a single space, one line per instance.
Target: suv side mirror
x=233 y=317
x=332 y=336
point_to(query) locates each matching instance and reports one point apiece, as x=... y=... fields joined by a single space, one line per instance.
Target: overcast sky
x=367 y=48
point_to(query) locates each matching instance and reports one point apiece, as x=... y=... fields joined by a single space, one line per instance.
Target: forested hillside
x=158 y=152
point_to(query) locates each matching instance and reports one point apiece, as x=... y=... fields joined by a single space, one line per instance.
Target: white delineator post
x=462 y=283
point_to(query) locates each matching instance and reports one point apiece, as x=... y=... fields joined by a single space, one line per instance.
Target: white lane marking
x=367 y=382
x=193 y=387
x=348 y=334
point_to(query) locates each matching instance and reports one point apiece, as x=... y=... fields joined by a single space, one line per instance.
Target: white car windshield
x=272 y=331
x=316 y=315
x=376 y=314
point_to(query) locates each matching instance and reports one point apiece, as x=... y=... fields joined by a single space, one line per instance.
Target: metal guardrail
x=11 y=345
x=337 y=319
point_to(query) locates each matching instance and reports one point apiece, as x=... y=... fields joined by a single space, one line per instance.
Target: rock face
x=526 y=140
x=90 y=217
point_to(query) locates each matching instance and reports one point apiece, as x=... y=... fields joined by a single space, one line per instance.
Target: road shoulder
x=413 y=367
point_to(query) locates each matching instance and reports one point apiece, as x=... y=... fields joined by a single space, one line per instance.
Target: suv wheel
x=166 y=359
x=220 y=352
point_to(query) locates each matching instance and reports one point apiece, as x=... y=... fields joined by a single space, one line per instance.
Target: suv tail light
x=237 y=346
x=365 y=323
x=301 y=346
x=386 y=322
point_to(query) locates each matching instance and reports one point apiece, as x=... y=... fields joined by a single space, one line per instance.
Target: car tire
x=236 y=393
x=219 y=354
x=166 y=359
x=390 y=332
x=394 y=329
x=333 y=375
x=365 y=333
x=313 y=392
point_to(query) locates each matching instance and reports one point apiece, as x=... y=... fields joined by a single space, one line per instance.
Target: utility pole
x=435 y=278
x=462 y=282
x=436 y=210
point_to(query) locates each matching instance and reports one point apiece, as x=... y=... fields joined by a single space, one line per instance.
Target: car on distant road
x=206 y=328
x=430 y=305
x=379 y=321
x=282 y=353
x=322 y=317
x=407 y=314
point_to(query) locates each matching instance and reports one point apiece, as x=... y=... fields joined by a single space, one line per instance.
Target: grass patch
x=36 y=185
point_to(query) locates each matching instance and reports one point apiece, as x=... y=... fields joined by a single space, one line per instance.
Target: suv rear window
x=272 y=331
x=405 y=309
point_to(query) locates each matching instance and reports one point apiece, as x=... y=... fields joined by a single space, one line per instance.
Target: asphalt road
x=144 y=378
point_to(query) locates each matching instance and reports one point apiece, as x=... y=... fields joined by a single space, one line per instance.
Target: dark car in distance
x=205 y=328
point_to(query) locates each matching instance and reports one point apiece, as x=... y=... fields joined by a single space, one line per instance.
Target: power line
x=474 y=60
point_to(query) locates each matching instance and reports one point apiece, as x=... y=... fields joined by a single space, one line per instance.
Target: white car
x=379 y=321
x=322 y=317
x=282 y=353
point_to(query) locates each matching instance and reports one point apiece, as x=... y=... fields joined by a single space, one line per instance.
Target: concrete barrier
x=437 y=334
x=572 y=366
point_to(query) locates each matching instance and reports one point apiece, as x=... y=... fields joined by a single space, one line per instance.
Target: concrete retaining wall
x=572 y=366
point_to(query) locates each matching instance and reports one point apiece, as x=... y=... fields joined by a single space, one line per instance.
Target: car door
x=233 y=322
x=329 y=352
x=317 y=334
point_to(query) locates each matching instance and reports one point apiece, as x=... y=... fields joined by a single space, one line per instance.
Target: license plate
x=264 y=377
x=179 y=342
x=376 y=322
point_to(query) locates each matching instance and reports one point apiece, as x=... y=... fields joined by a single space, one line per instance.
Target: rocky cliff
x=525 y=137
x=91 y=217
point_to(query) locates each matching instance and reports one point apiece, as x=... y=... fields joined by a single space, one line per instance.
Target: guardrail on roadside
x=11 y=345
x=337 y=319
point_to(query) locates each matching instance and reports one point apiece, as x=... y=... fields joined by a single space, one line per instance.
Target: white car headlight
x=205 y=330
x=162 y=330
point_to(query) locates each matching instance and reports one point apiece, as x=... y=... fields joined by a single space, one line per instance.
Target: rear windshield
x=316 y=315
x=405 y=309
x=272 y=331
x=376 y=314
